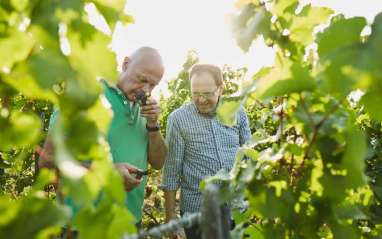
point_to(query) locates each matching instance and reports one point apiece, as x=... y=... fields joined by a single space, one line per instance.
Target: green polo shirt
x=128 y=139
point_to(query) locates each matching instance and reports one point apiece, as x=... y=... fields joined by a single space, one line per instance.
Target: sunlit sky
x=175 y=26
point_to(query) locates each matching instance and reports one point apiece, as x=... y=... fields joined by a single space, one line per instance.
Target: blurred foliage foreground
x=316 y=148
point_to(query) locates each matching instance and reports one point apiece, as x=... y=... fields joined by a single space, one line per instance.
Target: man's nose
x=202 y=99
x=146 y=88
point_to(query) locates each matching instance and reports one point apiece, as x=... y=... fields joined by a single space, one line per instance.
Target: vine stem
x=151 y=216
x=307 y=111
x=292 y=158
x=317 y=127
x=280 y=101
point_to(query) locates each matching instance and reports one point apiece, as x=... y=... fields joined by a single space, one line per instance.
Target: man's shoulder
x=242 y=111
x=183 y=111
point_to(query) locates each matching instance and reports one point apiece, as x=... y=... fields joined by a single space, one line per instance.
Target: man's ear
x=126 y=63
x=221 y=90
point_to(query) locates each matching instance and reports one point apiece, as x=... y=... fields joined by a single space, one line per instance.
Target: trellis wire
x=173 y=226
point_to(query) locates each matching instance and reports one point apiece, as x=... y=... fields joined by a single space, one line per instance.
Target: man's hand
x=171 y=216
x=151 y=112
x=129 y=181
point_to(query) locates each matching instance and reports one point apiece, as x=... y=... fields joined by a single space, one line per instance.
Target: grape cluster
x=141 y=98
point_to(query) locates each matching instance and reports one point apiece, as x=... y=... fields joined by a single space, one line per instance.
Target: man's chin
x=204 y=110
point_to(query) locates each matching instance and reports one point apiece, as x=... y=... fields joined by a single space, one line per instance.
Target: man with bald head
x=134 y=135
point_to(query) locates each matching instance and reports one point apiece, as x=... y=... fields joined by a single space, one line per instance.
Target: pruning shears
x=139 y=172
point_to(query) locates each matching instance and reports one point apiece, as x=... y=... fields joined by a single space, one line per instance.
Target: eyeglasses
x=205 y=95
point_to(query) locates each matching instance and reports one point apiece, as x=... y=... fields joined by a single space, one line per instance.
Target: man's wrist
x=152 y=127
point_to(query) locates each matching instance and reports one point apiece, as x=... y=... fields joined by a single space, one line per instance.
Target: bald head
x=141 y=71
x=144 y=53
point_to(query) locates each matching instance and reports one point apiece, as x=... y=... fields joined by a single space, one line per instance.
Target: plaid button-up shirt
x=199 y=146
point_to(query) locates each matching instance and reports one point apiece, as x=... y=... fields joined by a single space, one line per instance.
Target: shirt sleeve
x=244 y=131
x=53 y=118
x=245 y=134
x=173 y=163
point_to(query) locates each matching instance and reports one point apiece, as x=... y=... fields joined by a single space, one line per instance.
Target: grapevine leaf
x=92 y=222
x=340 y=34
x=14 y=47
x=229 y=108
x=30 y=216
x=287 y=77
x=301 y=27
x=254 y=232
x=112 y=11
x=21 y=130
x=282 y=6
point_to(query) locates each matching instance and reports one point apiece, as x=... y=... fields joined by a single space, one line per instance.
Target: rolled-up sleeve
x=173 y=163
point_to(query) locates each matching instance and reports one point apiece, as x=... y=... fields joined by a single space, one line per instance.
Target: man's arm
x=169 y=198
x=46 y=155
x=172 y=168
x=157 y=148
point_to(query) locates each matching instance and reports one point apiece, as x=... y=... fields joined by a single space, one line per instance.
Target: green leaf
x=376 y=213
x=85 y=55
x=301 y=27
x=21 y=130
x=340 y=34
x=83 y=135
x=343 y=230
x=22 y=81
x=371 y=100
x=108 y=220
x=238 y=231
x=287 y=77
x=350 y=211
x=5 y=165
x=281 y=6
x=260 y=24
x=274 y=231
x=85 y=58
x=19 y=5
x=354 y=155
x=14 y=48
x=341 y=52
x=254 y=232
x=229 y=108
x=101 y=114
x=222 y=175
x=350 y=173
x=112 y=11
x=29 y=216
x=327 y=147
x=268 y=205
x=44 y=177
x=317 y=173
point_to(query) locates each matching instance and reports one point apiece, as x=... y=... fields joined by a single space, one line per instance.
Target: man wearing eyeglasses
x=198 y=144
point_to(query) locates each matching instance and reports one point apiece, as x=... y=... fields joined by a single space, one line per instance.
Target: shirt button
x=125 y=102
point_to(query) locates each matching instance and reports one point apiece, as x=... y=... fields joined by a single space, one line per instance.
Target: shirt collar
x=210 y=114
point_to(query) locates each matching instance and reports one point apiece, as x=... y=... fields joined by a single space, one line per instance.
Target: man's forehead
x=203 y=87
